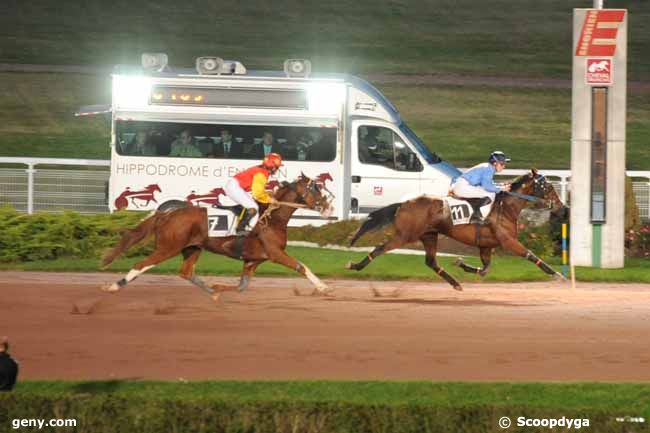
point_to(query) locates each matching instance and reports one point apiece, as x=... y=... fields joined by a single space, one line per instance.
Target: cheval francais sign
x=598 y=44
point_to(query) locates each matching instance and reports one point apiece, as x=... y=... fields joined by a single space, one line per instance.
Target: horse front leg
x=486 y=257
x=516 y=247
x=280 y=257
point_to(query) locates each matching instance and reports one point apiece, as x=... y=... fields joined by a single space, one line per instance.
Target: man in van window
x=141 y=145
x=185 y=145
x=267 y=146
x=228 y=147
x=372 y=150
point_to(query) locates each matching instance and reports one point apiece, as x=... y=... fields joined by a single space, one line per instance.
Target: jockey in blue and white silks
x=477 y=184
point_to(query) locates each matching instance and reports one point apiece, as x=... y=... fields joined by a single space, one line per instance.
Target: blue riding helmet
x=498 y=156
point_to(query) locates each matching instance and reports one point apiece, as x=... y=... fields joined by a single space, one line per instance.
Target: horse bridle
x=313 y=187
x=540 y=188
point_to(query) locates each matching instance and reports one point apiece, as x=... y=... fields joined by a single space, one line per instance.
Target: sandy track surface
x=161 y=327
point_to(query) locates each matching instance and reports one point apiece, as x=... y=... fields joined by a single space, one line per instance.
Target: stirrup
x=475 y=219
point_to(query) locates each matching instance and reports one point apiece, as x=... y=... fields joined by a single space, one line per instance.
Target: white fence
x=49 y=184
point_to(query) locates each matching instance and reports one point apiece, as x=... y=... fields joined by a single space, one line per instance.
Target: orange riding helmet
x=272 y=161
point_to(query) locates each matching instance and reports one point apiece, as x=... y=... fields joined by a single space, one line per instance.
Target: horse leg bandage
x=539 y=263
x=200 y=283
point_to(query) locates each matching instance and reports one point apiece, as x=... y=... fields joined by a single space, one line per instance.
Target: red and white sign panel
x=599 y=71
x=599 y=31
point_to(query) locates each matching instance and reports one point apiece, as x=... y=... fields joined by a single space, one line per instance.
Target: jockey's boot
x=477 y=203
x=243 y=222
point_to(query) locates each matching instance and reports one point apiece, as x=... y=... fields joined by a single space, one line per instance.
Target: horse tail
x=377 y=220
x=131 y=237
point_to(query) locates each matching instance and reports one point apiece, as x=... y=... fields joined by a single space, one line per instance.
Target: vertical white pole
x=598 y=4
x=30 y=188
x=649 y=200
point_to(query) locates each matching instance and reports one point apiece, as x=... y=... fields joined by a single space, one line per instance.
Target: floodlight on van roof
x=154 y=61
x=209 y=65
x=216 y=65
x=297 y=68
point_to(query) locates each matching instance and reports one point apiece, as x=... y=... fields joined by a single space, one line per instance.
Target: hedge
x=171 y=408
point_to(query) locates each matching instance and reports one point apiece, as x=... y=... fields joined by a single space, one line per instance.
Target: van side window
x=381 y=146
x=253 y=142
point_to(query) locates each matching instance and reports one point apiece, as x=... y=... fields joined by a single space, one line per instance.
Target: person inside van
x=141 y=145
x=477 y=186
x=254 y=180
x=227 y=146
x=267 y=146
x=185 y=145
x=371 y=149
x=315 y=146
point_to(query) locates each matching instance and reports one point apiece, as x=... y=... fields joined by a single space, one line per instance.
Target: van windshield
x=423 y=150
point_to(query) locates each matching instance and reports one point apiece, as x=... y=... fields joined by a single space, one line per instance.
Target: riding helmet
x=272 y=161
x=499 y=156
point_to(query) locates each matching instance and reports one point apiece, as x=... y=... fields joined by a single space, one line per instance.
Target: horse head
x=153 y=187
x=310 y=193
x=536 y=185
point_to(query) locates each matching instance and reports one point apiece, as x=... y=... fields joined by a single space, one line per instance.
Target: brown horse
x=185 y=231
x=424 y=217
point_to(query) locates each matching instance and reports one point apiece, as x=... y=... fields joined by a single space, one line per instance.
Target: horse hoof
x=110 y=288
x=561 y=277
x=348 y=265
x=458 y=287
x=322 y=291
x=459 y=262
x=322 y=294
x=223 y=288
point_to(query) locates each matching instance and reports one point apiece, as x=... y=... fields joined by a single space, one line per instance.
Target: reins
x=527 y=197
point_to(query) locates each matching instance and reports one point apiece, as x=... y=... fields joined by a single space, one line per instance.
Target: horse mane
x=285 y=187
x=519 y=182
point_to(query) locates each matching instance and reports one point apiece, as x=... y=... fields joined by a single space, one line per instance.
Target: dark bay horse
x=185 y=230
x=424 y=217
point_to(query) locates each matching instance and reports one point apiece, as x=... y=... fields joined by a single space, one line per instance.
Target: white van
x=180 y=134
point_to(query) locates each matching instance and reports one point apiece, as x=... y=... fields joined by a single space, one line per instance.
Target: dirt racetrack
x=161 y=327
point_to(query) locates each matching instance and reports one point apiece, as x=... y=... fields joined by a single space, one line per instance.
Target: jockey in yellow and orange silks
x=253 y=179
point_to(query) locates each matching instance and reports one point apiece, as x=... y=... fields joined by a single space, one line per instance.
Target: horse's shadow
x=437 y=302
x=103 y=386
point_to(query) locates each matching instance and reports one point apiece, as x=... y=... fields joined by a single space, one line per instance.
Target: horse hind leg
x=430 y=242
x=247 y=273
x=486 y=256
x=378 y=251
x=190 y=256
x=152 y=260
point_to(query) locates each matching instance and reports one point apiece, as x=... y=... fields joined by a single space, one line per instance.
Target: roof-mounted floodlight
x=233 y=67
x=154 y=61
x=209 y=65
x=216 y=65
x=297 y=68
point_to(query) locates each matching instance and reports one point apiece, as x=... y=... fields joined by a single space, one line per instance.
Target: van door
x=385 y=169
